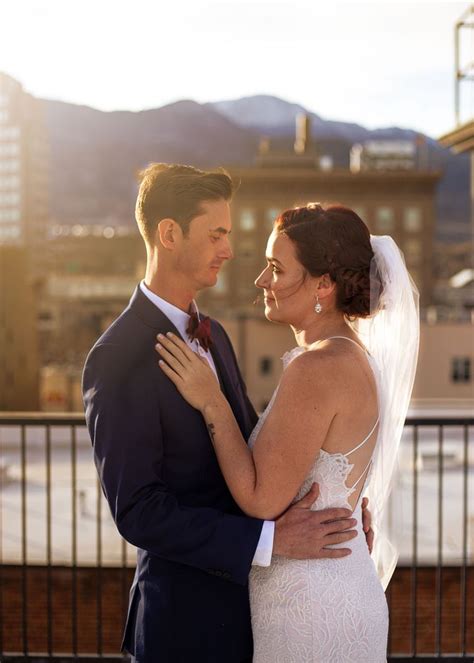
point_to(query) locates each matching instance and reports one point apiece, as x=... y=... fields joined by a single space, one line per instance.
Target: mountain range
x=96 y=155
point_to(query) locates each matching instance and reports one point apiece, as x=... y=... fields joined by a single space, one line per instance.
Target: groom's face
x=206 y=246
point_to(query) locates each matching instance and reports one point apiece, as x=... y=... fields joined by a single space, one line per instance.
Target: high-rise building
x=23 y=226
x=19 y=362
x=23 y=167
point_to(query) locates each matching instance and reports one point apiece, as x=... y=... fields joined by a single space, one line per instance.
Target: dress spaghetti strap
x=361 y=444
x=363 y=473
x=347 y=339
x=364 y=440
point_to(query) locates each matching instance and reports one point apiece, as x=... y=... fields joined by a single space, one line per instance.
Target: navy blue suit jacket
x=160 y=476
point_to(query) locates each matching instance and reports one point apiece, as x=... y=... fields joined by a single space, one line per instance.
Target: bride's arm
x=265 y=481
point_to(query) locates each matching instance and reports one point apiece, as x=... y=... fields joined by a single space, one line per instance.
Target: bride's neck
x=320 y=327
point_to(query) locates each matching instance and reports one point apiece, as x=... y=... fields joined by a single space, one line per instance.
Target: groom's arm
x=123 y=418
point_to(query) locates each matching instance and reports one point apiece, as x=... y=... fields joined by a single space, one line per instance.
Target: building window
x=412 y=219
x=385 y=219
x=9 y=149
x=9 y=199
x=413 y=250
x=247 y=220
x=9 y=166
x=270 y=216
x=9 y=215
x=461 y=369
x=9 y=182
x=266 y=365
x=326 y=163
x=246 y=250
x=9 y=232
x=9 y=132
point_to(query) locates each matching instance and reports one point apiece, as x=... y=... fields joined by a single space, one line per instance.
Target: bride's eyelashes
x=273 y=268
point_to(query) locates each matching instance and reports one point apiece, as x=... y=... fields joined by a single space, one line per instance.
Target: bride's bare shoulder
x=326 y=363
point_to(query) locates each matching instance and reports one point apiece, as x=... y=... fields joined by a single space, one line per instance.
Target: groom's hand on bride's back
x=367 y=524
x=304 y=534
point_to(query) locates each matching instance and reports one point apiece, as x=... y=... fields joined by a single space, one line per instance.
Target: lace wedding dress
x=326 y=610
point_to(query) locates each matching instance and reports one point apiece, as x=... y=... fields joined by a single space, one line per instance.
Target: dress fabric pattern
x=325 y=610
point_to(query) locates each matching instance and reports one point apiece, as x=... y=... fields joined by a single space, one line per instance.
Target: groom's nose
x=226 y=252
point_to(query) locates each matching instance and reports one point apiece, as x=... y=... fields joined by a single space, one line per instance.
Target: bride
x=336 y=418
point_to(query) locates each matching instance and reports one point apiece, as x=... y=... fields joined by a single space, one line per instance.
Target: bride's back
x=353 y=433
x=345 y=456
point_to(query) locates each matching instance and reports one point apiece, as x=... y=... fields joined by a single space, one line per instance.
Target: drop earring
x=318 y=308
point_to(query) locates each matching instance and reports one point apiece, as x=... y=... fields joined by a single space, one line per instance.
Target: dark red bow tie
x=200 y=330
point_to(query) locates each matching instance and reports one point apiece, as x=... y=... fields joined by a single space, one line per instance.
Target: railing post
x=464 y=541
x=439 y=572
x=74 y=540
x=99 y=568
x=24 y=554
x=49 y=583
x=414 y=576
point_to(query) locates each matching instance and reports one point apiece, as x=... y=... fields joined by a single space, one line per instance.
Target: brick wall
x=102 y=598
x=399 y=596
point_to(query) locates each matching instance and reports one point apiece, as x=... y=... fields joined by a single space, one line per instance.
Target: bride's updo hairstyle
x=334 y=240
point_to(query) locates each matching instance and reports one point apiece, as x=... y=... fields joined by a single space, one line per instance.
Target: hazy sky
x=375 y=63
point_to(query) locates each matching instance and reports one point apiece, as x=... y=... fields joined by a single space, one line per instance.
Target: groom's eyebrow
x=222 y=231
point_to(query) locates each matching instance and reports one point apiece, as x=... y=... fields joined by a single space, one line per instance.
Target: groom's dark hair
x=172 y=191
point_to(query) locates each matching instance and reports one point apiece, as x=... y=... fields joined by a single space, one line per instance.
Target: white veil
x=391 y=335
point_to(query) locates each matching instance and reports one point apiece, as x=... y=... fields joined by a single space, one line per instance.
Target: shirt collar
x=179 y=318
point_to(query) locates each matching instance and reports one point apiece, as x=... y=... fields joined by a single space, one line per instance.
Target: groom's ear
x=168 y=234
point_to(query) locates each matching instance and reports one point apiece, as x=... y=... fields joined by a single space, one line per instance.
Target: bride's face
x=289 y=291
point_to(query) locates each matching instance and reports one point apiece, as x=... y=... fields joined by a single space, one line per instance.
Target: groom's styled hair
x=172 y=191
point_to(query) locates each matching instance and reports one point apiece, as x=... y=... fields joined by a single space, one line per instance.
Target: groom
x=189 y=598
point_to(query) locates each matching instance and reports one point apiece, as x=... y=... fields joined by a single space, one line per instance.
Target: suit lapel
x=150 y=314
x=153 y=317
x=229 y=389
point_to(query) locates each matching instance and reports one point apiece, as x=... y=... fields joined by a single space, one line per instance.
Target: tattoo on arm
x=212 y=431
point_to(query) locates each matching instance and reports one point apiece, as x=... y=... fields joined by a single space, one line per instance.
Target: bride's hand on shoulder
x=190 y=373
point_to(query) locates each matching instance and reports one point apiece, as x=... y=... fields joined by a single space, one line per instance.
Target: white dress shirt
x=180 y=319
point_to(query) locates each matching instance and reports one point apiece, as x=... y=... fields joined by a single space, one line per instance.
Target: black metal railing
x=65 y=571
x=447 y=611
x=21 y=572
